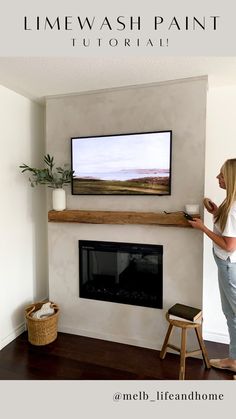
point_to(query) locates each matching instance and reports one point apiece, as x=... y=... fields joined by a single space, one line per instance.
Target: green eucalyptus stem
x=50 y=176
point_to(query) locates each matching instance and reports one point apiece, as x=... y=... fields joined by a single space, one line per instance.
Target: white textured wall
x=180 y=106
x=23 y=245
x=220 y=145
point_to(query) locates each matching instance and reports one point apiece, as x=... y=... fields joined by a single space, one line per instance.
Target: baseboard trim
x=207 y=335
x=13 y=335
x=112 y=338
x=216 y=337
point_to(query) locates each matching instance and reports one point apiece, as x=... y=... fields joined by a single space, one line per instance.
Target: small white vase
x=58 y=199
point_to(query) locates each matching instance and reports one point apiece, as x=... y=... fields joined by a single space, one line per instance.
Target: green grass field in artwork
x=143 y=186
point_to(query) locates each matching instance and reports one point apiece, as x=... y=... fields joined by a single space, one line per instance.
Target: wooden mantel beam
x=176 y=219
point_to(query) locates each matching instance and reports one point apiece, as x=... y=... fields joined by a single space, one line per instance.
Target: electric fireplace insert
x=127 y=273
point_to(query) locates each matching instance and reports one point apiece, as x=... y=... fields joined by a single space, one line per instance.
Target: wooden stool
x=183 y=353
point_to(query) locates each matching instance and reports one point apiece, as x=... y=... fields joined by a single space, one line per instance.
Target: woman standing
x=223 y=237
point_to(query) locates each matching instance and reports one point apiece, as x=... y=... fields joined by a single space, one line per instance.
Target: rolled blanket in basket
x=45 y=311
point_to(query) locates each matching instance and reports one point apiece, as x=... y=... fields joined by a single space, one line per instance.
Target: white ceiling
x=37 y=78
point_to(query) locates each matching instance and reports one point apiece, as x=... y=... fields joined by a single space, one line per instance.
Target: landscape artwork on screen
x=124 y=164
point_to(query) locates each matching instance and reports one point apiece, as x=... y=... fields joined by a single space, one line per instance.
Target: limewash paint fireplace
x=179 y=105
x=116 y=321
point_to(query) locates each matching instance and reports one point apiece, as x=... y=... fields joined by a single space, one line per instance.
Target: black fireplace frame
x=121 y=294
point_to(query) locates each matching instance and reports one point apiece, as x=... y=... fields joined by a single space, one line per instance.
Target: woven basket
x=41 y=331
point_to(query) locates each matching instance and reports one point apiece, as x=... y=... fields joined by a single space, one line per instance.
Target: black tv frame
x=118 y=135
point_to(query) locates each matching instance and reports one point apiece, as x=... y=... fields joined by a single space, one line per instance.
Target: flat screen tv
x=122 y=164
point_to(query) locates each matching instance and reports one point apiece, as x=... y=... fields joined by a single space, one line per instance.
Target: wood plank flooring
x=73 y=357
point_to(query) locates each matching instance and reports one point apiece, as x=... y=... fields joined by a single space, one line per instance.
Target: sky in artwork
x=125 y=152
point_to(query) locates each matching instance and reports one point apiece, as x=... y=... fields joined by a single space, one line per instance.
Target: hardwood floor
x=73 y=357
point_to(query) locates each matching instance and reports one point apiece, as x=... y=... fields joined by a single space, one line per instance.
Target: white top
x=229 y=231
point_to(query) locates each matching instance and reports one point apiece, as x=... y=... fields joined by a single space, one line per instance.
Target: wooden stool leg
x=182 y=354
x=198 y=331
x=164 y=347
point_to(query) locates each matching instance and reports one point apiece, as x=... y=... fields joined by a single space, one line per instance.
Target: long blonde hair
x=228 y=171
